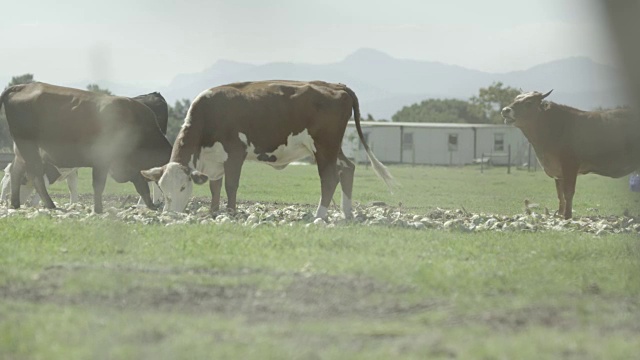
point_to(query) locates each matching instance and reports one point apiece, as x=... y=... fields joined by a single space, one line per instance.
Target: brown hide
x=156 y=102
x=267 y=113
x=79 y=128
x=569 y=141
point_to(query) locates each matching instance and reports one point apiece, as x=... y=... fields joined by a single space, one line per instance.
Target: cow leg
x=328 y=170
x=216 y=188
x=72 y=184
x=99 y=178
x=346 y=171
x=569 y=189
x=142 y=187
x=232 y=170
x=6 y=185
x=16 y=173
x=35 y=170
x=560 y=191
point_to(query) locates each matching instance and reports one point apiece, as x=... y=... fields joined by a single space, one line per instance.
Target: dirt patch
x=297 y=295
x=517 y=319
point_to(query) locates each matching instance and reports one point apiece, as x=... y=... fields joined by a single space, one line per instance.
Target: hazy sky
x=150 y=41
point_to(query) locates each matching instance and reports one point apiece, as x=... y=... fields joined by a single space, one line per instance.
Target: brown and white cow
x=569 y=141
x=77 y=128
x=274 y=122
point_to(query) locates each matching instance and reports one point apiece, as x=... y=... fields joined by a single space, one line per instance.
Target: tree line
x=483 y=108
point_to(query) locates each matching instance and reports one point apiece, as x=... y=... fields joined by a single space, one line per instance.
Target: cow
x=76 y=128
x=274 y=122
x=154 y=101
x=569 y=141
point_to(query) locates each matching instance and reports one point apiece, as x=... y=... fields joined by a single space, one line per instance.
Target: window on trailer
x=453 y=142
x=407 y=141
x=498 y=142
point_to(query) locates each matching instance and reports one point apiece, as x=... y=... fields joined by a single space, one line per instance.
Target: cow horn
x=547 y=94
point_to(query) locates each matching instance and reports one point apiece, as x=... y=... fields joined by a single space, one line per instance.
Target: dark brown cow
x=275 y=122
x=154 y=101
x=569 y=141
x=77 y=128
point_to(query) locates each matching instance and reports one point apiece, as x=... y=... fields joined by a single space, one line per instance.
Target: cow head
x=176 y=182
x=526 y=107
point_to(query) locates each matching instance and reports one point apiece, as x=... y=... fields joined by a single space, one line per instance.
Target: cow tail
x=3 y=96
x=378 y=167
x=8 y=91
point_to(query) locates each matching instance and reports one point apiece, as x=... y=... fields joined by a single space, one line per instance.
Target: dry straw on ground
x=266 y=214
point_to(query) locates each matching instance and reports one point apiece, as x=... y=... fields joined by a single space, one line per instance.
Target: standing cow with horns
x=569 y=141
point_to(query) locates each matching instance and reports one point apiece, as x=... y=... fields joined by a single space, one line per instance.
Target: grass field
x=108 y=290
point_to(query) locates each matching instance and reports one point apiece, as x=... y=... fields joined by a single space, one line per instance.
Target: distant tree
x=177 y=114
x=441 y=111
x=493 y=98
x=6 y=143
x=20 y=79
x=97 y=89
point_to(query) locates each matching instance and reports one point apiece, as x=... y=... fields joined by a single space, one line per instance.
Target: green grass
x=421 y=189
x=108 y=290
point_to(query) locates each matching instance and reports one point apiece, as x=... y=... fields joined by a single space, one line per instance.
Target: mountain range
x=385 y=84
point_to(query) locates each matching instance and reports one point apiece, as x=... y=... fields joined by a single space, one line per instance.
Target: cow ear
x=544 y=106
x=198 y=177
x=153 y=174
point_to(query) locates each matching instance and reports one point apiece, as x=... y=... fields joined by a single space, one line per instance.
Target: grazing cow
x=274 y=122
x=77 y=128
x=569 y=141
x=154 y=101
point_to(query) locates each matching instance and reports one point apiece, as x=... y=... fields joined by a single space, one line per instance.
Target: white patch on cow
x=322 y=212
x=211 y=161
x=176 y=186
x=297 y=147
x=187 y=119
x=243 y=138
x=342 y=164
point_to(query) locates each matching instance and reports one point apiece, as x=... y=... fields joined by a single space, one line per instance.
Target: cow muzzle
x=507 y=115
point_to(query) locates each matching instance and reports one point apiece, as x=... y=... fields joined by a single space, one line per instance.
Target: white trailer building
x=438 y=143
